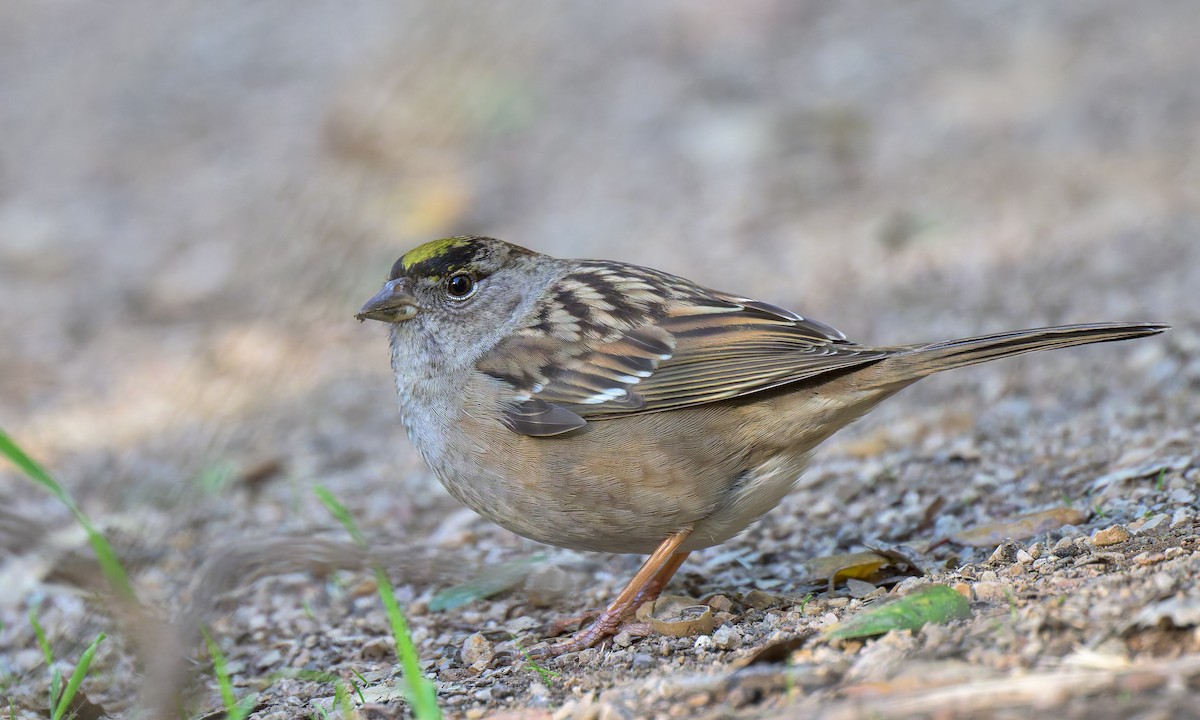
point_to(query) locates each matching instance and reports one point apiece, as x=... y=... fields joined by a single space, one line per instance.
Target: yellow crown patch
x=431 y=249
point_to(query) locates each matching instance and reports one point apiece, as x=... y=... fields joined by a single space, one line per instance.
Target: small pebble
x=760 y=600
x=613 y=711
x=1182 y=496
x=1014 y=570
x=1153 y=525
x=906 y=585
x=1100 y=558
x=584 y=708
x=1164 y=582
x=991 y=591
x=376 y=648
x=1005 y=553
x=1065 y=547
x=727 y=637
x=1148 y=558
x=878 y=592
x=476 y=649
x=623 y=639
x=547 y=584
x=1113 y=535
x=859 y=588
x=698 y=700
x=720 y=603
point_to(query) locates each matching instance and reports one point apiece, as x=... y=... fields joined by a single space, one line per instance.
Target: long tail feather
x=922 y=360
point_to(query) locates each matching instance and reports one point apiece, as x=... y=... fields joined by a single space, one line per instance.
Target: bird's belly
x=617 y=487
x=755 y=492
x=624 y=485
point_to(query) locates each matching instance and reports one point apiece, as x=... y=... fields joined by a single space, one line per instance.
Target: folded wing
x=612 y=344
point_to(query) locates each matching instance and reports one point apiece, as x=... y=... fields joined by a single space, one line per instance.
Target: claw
x=647 y=584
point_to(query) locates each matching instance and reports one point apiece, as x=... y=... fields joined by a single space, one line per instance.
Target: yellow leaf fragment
x=859 y=565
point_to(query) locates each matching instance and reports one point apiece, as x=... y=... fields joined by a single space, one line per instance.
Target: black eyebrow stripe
x=451 y=259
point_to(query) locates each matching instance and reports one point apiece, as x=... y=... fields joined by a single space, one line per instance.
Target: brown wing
x=718 y=357
x=608 y=343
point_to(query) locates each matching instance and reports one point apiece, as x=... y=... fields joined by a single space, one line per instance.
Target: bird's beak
x=393 y=304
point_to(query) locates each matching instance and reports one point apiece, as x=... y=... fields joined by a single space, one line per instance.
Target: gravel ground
x=196 y=197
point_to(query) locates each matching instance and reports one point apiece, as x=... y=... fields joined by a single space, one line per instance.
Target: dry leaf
x=859 y=565
x=934 y=604
x=777 y=651
x=1020 y=527
x=678 y=616
x=491 y=581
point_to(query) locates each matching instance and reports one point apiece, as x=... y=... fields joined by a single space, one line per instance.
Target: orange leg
x=646 y=585
x=651 y=590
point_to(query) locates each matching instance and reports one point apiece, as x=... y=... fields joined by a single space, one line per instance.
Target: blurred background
x=195 y=198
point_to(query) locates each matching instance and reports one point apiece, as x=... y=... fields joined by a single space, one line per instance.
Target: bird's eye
x=460 y=286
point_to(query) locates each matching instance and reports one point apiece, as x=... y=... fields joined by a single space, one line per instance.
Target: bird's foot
x=607 y=624
x=646 y=585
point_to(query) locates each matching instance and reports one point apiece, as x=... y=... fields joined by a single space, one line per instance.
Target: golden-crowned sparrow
x=604 y=406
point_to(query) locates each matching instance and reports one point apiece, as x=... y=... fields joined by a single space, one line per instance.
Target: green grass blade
x=341 y=688
x=35 y=472
x=55 y=687
x=234 y=709
x=241 y=709
x=421 y=692
x=224 y=683
x=342 y=701
x=40 y=634
x=81 y=669
x=118 y=580
x=546 y=675
x=340 y=512
x=424 y=695
x=114 y=571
